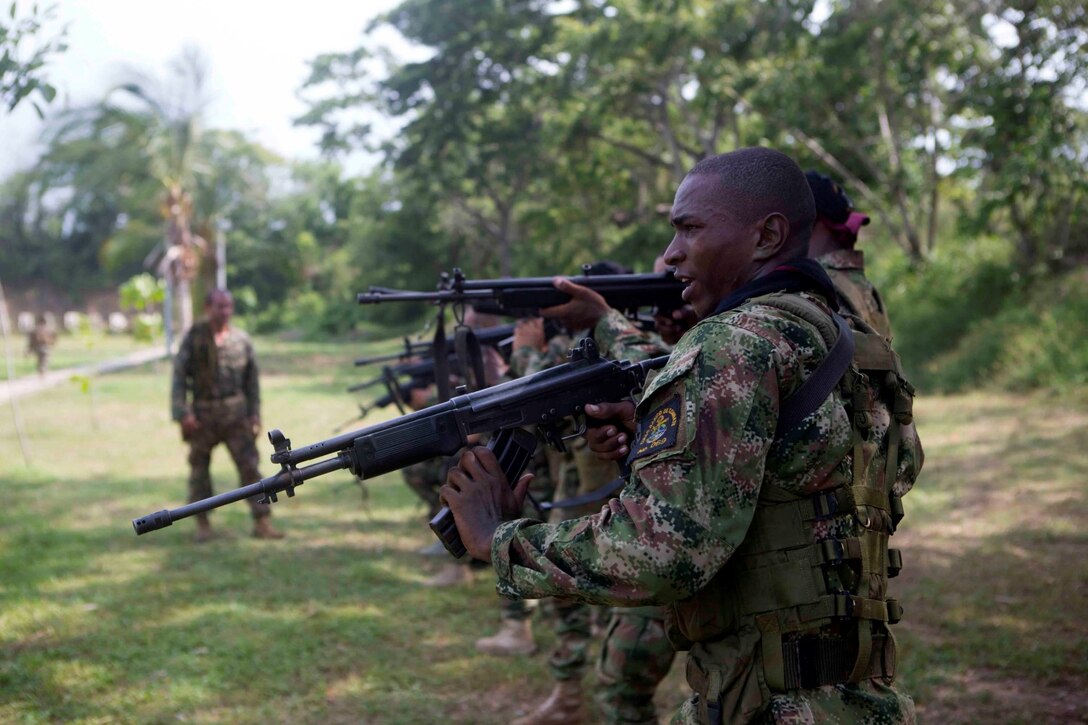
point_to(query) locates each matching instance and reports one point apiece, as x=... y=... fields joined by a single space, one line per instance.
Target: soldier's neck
x=220 y=332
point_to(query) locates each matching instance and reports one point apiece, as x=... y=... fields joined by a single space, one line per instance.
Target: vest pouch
x=704 y=616
x=729 y=689
x=676 y=637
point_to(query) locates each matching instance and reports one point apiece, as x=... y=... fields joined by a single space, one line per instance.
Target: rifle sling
x=814 y=391
x=441 y=357
x=469 y=357
x=600 y=494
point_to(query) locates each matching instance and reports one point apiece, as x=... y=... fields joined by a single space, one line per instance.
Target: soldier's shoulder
x=754 y=331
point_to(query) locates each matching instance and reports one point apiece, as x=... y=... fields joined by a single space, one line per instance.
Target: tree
x=21 y=69
x=1027 y=131
x=172 y=114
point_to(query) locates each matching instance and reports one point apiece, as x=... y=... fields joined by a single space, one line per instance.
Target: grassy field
x=71 y=351
x=331 y=624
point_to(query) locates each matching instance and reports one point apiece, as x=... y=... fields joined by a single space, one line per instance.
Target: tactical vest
x=814 y=612
x=862 y=302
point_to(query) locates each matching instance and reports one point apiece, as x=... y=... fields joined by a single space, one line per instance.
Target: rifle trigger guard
x=581 y=429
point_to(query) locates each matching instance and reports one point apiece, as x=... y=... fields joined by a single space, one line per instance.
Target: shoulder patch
x=658 y=429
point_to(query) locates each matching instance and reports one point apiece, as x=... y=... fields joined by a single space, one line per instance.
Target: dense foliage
x=537 y=135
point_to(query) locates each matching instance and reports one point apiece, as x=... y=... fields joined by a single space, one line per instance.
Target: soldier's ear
x=773 y=232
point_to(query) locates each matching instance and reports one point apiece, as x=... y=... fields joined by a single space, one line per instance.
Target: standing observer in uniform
x=760 y=517
x=216 y=398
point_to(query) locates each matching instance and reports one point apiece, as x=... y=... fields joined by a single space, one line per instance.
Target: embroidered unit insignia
x=659 y=429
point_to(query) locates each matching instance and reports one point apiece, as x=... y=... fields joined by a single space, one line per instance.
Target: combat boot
x=514 y=638
x=450 y=575
x=563 y=707
x=262 y=529
x=203 y=529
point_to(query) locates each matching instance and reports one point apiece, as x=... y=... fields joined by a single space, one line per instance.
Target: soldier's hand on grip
x=610 y=441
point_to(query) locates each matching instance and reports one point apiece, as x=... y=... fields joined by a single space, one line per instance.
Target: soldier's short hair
x=215 y=292
x=759 y=181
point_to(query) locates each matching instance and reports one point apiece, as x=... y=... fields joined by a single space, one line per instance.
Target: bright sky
x=257 y=53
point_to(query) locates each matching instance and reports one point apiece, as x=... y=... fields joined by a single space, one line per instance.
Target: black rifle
x=420 y=371
x=525 y=296
x=500 y=337
x=542 y=399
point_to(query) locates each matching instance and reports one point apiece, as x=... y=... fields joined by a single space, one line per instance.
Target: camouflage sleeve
x=620 y=339
x=526 y=360
x=180 y=405
x=522 y=359
x=706 y=424
x=251 y=382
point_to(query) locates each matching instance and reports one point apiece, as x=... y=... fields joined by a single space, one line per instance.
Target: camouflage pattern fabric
x=574 y=473
x=846 y=267
x=223 y=421
x=619 y=338
x=218 y=384
x=206 y=371
x=527 y=360
x=635 y=656
x=705 y=447
x=39 y=343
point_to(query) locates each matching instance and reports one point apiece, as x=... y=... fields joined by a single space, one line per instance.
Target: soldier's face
x=711 y=250
x=220 y=308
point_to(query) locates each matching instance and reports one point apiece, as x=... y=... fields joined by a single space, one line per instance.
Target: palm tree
x=173 y=114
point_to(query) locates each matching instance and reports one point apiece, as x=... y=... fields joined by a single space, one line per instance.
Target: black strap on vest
x=814 y=391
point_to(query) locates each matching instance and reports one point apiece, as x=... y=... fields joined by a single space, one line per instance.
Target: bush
x=968 y=318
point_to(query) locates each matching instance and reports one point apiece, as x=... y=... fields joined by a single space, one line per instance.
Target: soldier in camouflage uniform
x=573 y=620
x=215 y=398
x=636 y=653
x=40 y=342
x=833 y=239
x=762 y=522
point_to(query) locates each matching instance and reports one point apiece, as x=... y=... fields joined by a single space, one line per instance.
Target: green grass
x=331 y=625
x=71 y=351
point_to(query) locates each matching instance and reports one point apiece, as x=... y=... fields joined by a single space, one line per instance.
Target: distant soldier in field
x=40 y=341
x=832 y=245
x=216 y=399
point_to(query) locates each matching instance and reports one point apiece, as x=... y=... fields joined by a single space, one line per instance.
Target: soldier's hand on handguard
x=610 y=441
x=585 y=308
x=480 y=498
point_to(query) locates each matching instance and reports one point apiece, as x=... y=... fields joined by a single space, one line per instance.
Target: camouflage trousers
x=635 y=656
x=223 y=422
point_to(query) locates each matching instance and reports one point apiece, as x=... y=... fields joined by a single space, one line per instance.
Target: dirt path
x=21 y=387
